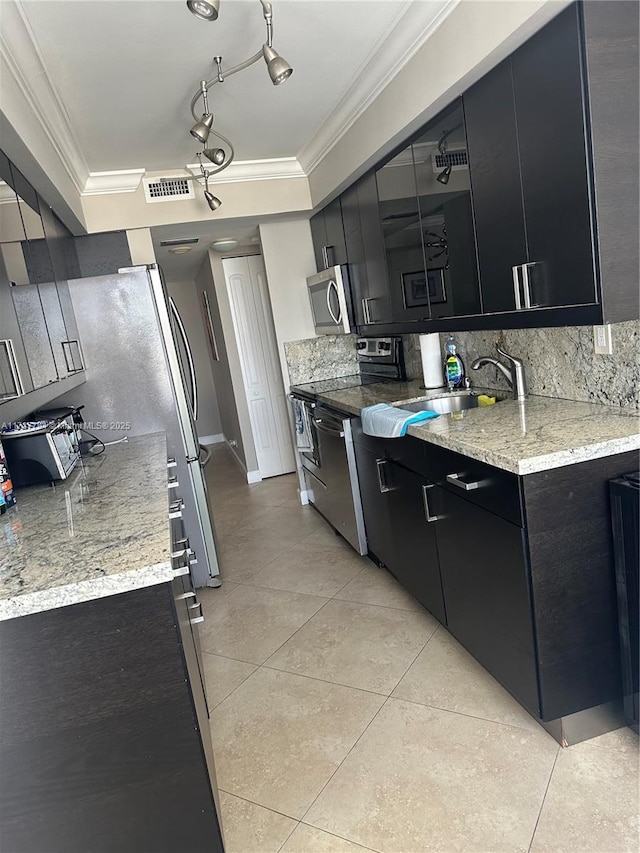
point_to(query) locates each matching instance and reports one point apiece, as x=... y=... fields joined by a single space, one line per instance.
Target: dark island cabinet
x=105 y=742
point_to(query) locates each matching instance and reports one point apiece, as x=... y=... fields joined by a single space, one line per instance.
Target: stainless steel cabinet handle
x=382 y=480
x=325 y=257
x=7 y=345
x=171 y=462
x=425 y=500
x=516 y=287
x=197 y=613
x=173 y=483
x=180 y=569
x=175 y=509
x=366 y=310
x=455 y=480
x=70 y=349
x=526 y=284
x=184 y=595
x=336 y=433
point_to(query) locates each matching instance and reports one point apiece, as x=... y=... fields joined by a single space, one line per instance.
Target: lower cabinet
x=519 y=568
x=485 y=580
x=106 y=742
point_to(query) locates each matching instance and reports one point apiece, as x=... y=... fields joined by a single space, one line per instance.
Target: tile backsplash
x=558 y=362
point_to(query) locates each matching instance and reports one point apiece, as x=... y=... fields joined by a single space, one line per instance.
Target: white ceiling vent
x=457 y=158
x=167 y=189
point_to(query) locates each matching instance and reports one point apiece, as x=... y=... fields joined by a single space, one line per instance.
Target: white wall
x=288 y=259
x=188 y=300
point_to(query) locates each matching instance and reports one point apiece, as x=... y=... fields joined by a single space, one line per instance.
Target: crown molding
x=103 y=183
x=254 y=170
x=413 y=29
x=25 y=63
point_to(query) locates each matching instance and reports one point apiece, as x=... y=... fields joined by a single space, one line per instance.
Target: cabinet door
x=550 y=112
x=35 y=335
x=375 y=504
x=319 y=238
x=492 y=147
x=450 y=279
x=402 y=235
x=356 y=259
x=15 y=375
x=486 y=586
x=337 y=250
x=415 y=554
x=375 y=302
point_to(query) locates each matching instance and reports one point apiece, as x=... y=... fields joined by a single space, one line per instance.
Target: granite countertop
x=102 y=531
x=537 y=434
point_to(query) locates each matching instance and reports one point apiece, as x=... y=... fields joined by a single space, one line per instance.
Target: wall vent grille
x=457 y=159
x=167 y=189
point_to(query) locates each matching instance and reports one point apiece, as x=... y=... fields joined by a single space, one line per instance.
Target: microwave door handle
x=334 y=286
x=187 y=349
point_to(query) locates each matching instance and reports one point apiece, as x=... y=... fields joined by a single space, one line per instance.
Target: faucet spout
x=513 y=373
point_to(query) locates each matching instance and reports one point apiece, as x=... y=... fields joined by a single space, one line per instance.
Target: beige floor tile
x=209 y=596
x=326 y=537
x=284 y=526
x=222 y=676
x=378 y=586
x=446 y=676
x=249 y=828
x=356 y=644
x=242 y=556
x=307 y=839
x=423 y=779
x=251 y=623
x=592 y=802
x=278 y=738
x=323 y=572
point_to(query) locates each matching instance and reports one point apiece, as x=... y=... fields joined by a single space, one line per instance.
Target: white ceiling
x=125 y=71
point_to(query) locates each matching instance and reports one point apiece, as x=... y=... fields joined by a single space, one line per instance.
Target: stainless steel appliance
x=140 y=379
x=41 y=451
x=328 y=466
x=330 y=299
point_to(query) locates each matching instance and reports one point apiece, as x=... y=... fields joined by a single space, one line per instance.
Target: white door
x=253 y=325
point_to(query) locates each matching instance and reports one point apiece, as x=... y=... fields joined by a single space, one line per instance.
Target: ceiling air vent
x=456 y=158
x=167 y=189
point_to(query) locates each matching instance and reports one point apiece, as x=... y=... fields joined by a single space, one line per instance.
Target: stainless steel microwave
x=331 y=301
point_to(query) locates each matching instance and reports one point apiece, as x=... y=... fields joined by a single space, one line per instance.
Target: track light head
x=213 y=202
x=206 y=10
x=445 y=174
x=216 y=155
x=202 y=128
x=278 y=67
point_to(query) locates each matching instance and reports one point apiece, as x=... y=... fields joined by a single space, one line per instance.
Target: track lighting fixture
x=278 y=69
x=206 y=10
x=445 y=174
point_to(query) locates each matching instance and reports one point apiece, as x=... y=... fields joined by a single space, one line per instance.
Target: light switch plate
x=602 y=343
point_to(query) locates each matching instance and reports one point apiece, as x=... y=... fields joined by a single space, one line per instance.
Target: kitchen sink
x=451 y=401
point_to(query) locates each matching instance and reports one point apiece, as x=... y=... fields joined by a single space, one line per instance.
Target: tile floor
x=344 y=719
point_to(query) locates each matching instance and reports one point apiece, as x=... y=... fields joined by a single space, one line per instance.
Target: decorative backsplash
x=561 y=362
x=323 y=357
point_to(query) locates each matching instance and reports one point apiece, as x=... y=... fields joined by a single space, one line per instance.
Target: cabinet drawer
x=490 y=488
x=407 y=451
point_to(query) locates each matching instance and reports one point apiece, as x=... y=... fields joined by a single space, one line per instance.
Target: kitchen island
x=105 y=742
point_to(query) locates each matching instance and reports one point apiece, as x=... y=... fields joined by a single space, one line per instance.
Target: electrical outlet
x=602 y=343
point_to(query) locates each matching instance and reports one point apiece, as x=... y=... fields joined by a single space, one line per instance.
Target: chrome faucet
x=514 y=373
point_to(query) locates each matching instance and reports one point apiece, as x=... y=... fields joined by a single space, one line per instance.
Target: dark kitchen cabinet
x=327 y=234
x=107 y=738
x=370 y=292
x=485 y=578
x=375 y=504
x=415 y=556
x=527 y=145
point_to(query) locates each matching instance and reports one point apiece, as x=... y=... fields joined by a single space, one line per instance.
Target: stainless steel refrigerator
x=141 y=379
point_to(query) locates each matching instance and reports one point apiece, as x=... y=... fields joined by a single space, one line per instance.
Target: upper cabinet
x=327 y=233
x=527 y=147
x=517 y=206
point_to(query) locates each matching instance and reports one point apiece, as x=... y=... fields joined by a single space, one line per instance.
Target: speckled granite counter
x=103 y=531
x=535 y=435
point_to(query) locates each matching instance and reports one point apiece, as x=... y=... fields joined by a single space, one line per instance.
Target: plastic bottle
x=453 y=366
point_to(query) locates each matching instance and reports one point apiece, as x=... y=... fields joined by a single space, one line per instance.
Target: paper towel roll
x=431 y=360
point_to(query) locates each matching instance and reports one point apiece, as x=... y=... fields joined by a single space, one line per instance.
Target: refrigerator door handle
x=207 y=455
x=187 y=349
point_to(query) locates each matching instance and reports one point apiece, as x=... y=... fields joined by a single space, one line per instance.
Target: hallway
x=345 y=719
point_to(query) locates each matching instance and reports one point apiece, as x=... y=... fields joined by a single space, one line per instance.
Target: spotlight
x=206 y=10
x=201 y=128
x=216 y=155
x=445 y=174
x=278 y=67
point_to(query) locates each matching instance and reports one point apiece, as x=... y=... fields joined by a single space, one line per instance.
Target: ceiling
x=124 y=72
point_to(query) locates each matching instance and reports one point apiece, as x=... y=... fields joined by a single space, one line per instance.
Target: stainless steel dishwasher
x=333 y=484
